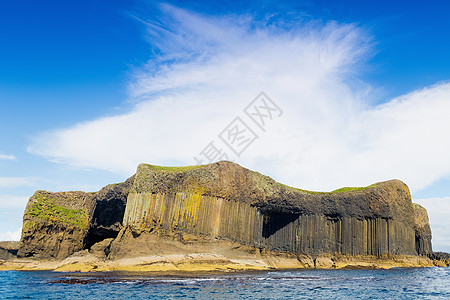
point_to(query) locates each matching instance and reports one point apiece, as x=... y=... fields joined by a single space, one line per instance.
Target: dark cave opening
x=276 y=221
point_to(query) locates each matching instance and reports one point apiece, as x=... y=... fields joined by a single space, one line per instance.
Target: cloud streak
x=8 y=202
x=12 y=182
x=209 y=68
x=7 y=157
x=10 y=235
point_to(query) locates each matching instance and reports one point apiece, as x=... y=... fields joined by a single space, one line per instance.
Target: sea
x=420 y=283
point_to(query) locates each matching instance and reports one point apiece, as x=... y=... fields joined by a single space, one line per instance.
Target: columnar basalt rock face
x=295 y=233
x=422 y=230
x=226 y=201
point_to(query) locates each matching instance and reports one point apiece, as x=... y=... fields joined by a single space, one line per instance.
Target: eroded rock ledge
x=219 y=205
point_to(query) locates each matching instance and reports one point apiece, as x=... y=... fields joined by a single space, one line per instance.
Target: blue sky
x=89 y=89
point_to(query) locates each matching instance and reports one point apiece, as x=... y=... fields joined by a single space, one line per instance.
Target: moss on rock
x=45 y=208
x=353 y=189
x=174 y=169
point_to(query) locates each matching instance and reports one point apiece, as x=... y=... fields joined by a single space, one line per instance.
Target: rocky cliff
x=224 y=202
x=55 y=225
x=422 y=230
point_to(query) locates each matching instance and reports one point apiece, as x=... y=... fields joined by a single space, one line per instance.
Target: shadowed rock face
x=443 y=257
x=422 y=230
x=108 y=211
x=8 y=250
x=228 y=202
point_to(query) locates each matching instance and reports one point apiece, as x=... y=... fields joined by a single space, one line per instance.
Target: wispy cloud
x=11 y=212
x=12 y=182
x=210 y=68
x=11 y=202
x=10 y=236
x=7 y=157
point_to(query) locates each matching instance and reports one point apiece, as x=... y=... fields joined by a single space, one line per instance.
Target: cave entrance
x=274 y=222
x=106 y=220
x=97 y=235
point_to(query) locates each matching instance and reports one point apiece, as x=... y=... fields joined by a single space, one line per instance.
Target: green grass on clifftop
x=174 y=169
x=304 y=191
x=46 y=209
x=341 y=190
x=353 y=189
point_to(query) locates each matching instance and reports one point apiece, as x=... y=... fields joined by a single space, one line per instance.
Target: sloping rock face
x=55 y=225
x=225 y=201
x=422 y=230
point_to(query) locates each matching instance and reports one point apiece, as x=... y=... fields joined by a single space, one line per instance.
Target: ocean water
x=424 y=283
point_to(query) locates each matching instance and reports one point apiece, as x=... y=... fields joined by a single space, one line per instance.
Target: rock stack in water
x=224 y=201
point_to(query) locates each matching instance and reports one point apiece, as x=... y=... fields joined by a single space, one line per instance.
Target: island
x=220 y=217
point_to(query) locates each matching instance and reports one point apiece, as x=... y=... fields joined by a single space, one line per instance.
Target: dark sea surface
x=424 y=283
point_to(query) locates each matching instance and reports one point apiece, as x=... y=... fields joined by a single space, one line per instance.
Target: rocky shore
x=168 y=255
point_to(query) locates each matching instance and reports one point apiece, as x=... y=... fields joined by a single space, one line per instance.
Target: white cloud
x=8 y=202
x=7 y=157
x=11 y=182
x=11 y=213
x=211 y=68
x=11 y=236
x=438 y=209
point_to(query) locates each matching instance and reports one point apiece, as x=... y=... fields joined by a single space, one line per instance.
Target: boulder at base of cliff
x=8 y=250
